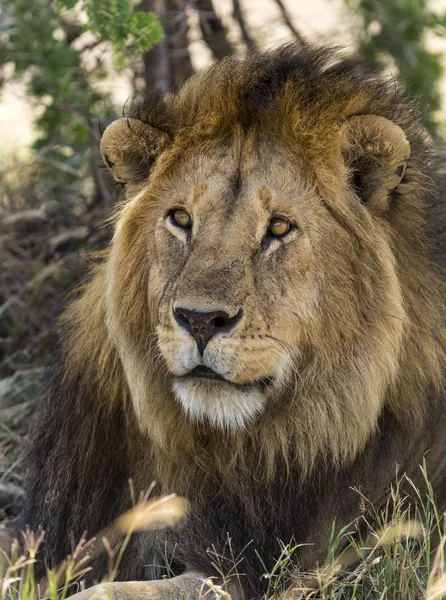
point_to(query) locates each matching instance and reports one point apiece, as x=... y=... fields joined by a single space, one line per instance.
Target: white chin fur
x=218 y=403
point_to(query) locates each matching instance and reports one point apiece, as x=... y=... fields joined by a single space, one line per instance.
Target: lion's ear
x=129 y=147
x=376 y=151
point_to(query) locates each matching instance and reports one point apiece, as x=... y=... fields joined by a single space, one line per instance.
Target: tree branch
x=213 y=32
x=238 y=15
x=177 y=27
x=287 y=19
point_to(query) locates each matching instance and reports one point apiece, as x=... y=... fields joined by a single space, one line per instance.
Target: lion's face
x=233 y=296
x=248 y=277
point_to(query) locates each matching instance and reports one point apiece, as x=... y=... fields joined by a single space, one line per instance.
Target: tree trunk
x=168 y=63
x=238 y=16
x=156 y=71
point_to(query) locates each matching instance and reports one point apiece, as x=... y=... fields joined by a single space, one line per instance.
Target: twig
x=213 y=32
x=14 y=436
x=241 y=21
x=287 y=19
x=91 y=46
x=9 y=470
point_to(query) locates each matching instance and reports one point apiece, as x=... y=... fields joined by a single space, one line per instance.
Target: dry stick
x=288 y=21
x=213 y=32
x=241 y=21
x=177 y=29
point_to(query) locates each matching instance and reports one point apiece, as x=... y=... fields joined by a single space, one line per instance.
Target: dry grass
x=395 y=560
x=20 y=583
x=47 y=227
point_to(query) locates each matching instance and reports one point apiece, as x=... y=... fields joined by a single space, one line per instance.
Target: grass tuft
x=20 y=583
x=400 y=555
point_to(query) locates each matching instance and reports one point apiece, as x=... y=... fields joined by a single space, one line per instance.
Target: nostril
x=220 y=321
x=229 y=322
x=197 y=322
x=224 y=322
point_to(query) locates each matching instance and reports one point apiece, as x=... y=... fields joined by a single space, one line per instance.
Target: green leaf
x=66 y=4
x=395 y=32
x=146 y=29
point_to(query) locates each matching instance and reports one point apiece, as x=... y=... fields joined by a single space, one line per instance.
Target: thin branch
x=177 y=29
x=91 y=46
x=213 y=32
x=287 y=19
x=238 y=15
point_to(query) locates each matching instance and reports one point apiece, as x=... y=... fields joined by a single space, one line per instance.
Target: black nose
x=204 y=325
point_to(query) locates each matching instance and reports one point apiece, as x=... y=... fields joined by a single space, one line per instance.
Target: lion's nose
x=204 y=325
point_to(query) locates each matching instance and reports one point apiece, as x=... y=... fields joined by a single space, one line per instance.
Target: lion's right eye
x=278 y=227
x=181 y=218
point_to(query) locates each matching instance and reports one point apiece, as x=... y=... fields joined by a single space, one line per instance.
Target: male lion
x=266 y=332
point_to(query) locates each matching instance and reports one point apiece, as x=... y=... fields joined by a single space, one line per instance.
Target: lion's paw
x=190 y=586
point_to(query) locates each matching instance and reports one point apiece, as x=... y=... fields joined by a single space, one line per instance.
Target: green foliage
x=125 y=29
x=396 y=30
x=50 y=66
x=47 y=44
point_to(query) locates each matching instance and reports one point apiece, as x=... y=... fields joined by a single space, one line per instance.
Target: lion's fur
x=369 y=374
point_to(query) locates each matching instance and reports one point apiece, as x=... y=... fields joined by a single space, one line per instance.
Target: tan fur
x=184 y=587
x=336 y=314
x=332 y=371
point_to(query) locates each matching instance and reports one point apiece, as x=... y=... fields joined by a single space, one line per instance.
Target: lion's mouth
x=206 y=373
x=203 y=372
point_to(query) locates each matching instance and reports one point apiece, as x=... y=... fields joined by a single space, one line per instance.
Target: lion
x=265 y=334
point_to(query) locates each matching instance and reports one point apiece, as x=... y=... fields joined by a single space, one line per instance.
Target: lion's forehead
x=227 y=187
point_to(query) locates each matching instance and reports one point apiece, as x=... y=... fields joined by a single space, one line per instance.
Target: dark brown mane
x=269 y=88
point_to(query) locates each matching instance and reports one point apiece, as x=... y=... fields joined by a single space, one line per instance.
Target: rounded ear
x=129 y=147
x=376 y=151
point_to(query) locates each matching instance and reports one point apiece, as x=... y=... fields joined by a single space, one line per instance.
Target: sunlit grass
x=399 y=556
x=19 y=581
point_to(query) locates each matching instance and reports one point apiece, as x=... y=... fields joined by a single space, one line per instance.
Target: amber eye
x=278 y=227
x=181 y=218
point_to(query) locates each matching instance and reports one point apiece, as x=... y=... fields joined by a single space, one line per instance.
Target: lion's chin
x=218 y=403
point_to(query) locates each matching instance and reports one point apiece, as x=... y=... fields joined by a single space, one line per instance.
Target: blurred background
x=68 y=68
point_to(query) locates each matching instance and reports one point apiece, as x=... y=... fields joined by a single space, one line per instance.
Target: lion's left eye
x=278 y=227
x=181 y=218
